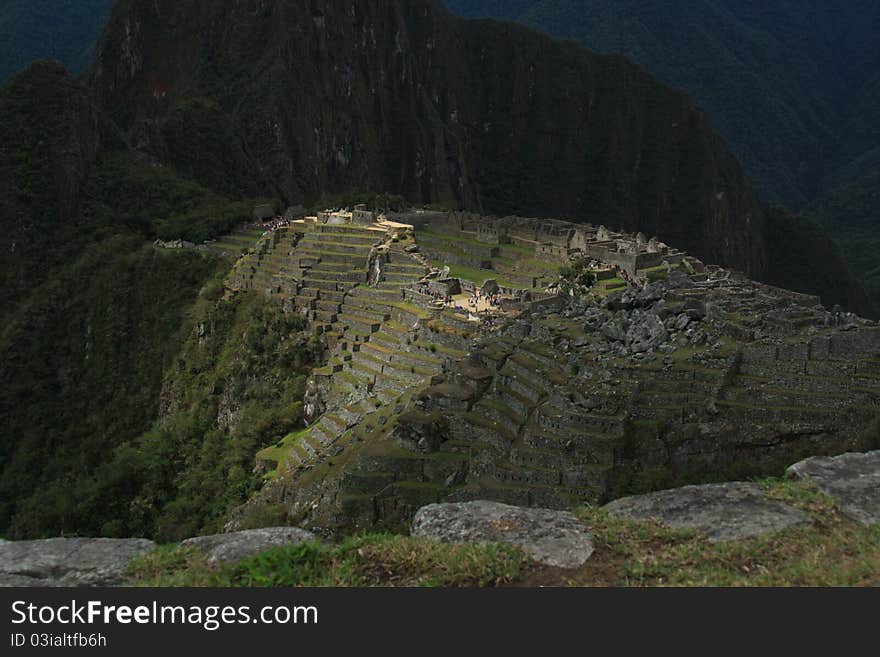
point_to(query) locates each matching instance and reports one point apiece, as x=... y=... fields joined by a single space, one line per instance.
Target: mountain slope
x=403 y=97
x=49 y=139
x=789 y=84
x=92 y=316
x=49 y=29
x=194 y=107
x=792 y=86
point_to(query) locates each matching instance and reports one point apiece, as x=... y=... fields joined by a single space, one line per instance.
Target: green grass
x=604 y=288
x=478 y=276
x=280 y=452
x=372 y=560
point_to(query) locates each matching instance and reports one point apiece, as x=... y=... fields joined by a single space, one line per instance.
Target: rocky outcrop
x=69 y=561
x=852 y=480
x=723 y=512
x=553 y=538
x=104 y=561
x=235 y=546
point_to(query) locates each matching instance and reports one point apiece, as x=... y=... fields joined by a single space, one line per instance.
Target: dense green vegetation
x=49 y=29
x=81 y=364
x=86 y=373
x=852 y=214
x=155 y=201
x=47 y=144
x=95 y=320
x=236 y=386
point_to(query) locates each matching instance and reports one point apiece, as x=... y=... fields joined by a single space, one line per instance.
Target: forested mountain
x=64 y=30
x=193 y=110
x=408 y=99
x=792 y=86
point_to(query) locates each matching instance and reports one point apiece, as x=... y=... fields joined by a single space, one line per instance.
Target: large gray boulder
x=235 y=546
x=852 y=480
x=723 y=512
x=69 y=561
x=554 y=538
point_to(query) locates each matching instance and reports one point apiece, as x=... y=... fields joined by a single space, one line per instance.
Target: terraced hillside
x=668 y=371
x=237 y=242
x=347 y=280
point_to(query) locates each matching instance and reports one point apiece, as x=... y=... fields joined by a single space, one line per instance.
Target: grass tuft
x=369 y=560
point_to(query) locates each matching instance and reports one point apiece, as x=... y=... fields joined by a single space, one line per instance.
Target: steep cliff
x=305 y=99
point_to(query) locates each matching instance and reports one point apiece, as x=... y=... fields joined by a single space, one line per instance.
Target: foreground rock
x=723 y=512
x=554 y=538
x=235 y=546
x=69 y=561
x=852 y=480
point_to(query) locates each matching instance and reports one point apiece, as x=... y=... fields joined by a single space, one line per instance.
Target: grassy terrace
x=514 y=259
x=603 y=288
x=458 y=239
x=832 y=551
x=478 y=276
x=238 y=241
x=509 y=251
x=280 y=452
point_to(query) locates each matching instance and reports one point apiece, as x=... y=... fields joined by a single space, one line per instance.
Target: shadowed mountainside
x=792 y=87
x=194 y=109
x=403 y=97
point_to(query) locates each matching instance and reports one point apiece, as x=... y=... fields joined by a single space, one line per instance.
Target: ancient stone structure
x=658 y=368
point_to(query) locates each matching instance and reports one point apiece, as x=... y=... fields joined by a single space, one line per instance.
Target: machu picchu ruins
x=540 y=363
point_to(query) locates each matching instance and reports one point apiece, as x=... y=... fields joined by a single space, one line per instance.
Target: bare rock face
x=723 y=512
x=852 y=480
x=232 y=547
x=69 y=561
x=554 y=538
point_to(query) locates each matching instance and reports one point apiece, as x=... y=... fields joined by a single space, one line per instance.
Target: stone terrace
x=673 y=372
x=347 y=281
